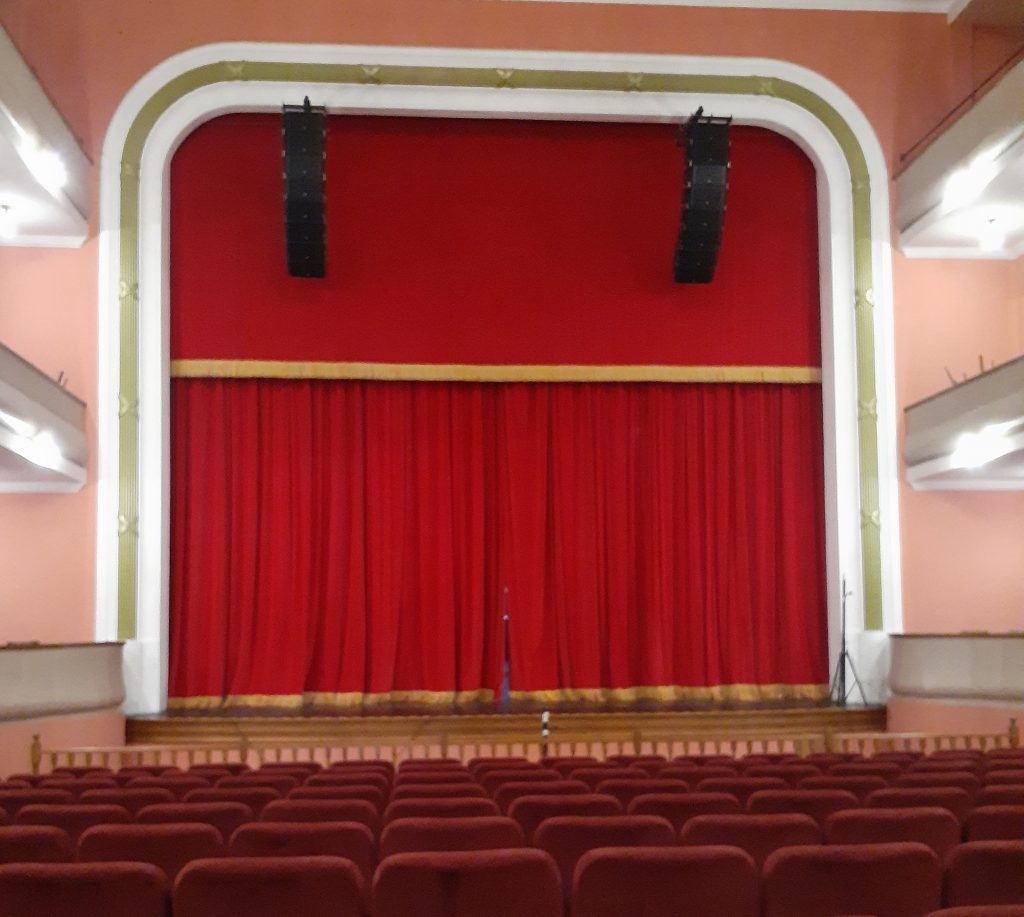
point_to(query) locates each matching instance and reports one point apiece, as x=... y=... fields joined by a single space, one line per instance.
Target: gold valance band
x=458 y=372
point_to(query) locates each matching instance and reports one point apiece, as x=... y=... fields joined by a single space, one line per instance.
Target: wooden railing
x=327 y=751
x=868 y=743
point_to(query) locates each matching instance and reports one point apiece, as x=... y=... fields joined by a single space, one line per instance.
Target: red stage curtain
x=335 y=539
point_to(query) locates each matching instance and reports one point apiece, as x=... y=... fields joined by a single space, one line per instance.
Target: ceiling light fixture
x=17 y=425
x=966 y=185
x=41 y=449
x=46 y=165
x=976 y=449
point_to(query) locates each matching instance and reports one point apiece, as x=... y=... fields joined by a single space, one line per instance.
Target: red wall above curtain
x=555 y=246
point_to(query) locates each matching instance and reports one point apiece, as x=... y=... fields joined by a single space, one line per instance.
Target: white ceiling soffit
x=44 y=174
x=963 y=197
x=970 y=436
x=945 y=7
x=43 y=448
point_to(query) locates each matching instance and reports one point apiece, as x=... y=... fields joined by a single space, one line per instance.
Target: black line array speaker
x=706 y=140
x=304 y=129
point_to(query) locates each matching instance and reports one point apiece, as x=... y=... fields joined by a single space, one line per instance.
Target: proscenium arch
x=862 y=539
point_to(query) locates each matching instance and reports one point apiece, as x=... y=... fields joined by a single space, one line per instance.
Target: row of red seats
x=891 y=880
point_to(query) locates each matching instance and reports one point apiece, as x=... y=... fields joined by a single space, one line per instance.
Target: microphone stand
x=837 y=691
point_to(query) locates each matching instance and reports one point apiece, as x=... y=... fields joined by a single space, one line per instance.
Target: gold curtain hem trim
x=661 y=693
x=456 y=372
x=339 y=700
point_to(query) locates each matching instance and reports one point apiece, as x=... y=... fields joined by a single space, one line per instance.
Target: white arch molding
x=237 y=77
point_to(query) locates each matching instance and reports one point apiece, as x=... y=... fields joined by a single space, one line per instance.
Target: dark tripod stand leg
x=856 y=680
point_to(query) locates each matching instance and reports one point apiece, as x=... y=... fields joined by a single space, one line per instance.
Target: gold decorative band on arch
x=581 y=697
x=459 y=372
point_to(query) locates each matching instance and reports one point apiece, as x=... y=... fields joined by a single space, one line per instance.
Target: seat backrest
x=440 y=807
x=678 y=808
x=494 y=779
x=179 y=784
x=508 y=793
x=1003 y=775
x=709 y=881
x=986 y=872
x=387 y=768
x=12 y=800
x=998 y=794
x=945 y=765
x=981 y=910
x=461 y=790
x=297 y=769
x=370 y=794
x=626 y=790
x=935 y=827
x=818 y=804
x=73 y=818
x=758 y=835
x=420 y=835
x=348 y=776
x=313 y=810
x=132 y=799
x=958 y=801
x=887 y=772
x=859 y=786
x=473 y=883
x=791 y=773
x=963 y=779
x=441 y=775
x=995 y=823
x=530 y=811
x=885 y=880
x=592 y=776
x=256 y=798
x=349 y=840
x=320 y=886
x=741 y=787
x=78 y=889
x=35 y=844
x=283 y=783
x=568 y=837
x=224 y=816
x=168 y=847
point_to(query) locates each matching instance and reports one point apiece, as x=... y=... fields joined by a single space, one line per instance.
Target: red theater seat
x=348 y=840
x=180 y=785
x=5 y=819
x=680 y=808
x=568 y=837
x=83 y=771
x=132 y=799
x=35 y=844
x=861 y=787
x=224 y=816
x=476 y=883
x=208 y=772
x=982 y=910
x=986 y=872
x=410 y=764
x=376 y=765
x=758 y=835
x=480 y=766
x=73 y=818
x=962 y=779
x=439 y=807
x=953 y=798
x=428 y=790
x=168 y=847
x=592 y=776
x=818 y=804
x=351 y=776
x=370 y=794
x=992 y=795
x=288 y=767
x=13 y=800
x=888 y=772
x=82 y=890
x=447 y=775
x=996 y=823
x=508 y=793
x=270 y=887
x=567 y=764
x=256 y=798
x=683 y=881
x=903 y=758
x=625 y=791
x=419 y=835
x=491 y=781
x=823 y=760
x=884 y=880
x=313 y=810
x=741 y=787
x=935 y=827
x=945 y=765
x=1003 y=776
x=280 y=782
x=530 y=811
x=791 y=773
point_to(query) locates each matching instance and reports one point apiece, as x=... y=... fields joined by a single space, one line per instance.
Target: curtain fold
x=336 y=542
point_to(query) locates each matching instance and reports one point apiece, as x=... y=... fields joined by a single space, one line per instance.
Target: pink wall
x=55 y=732
x=919 y=715
x=962 y=552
